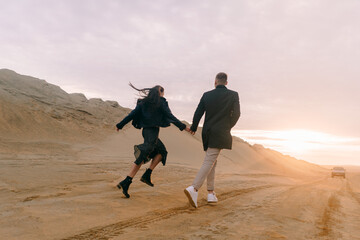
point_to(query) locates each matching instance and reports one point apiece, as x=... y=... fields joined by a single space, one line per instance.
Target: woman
x=151 y=113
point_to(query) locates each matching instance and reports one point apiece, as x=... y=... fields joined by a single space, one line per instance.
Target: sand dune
x=61 y=158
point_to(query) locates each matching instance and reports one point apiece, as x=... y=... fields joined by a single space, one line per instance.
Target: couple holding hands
x=222 y=110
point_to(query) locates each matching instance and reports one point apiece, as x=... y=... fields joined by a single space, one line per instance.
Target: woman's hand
x=189 y=131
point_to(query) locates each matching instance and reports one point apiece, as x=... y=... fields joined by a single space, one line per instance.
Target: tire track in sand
x=116 y=229
x=336 y=213
x=353 y=194
x=327 y=221
x=331 y=217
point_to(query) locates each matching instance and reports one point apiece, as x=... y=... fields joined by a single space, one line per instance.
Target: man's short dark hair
x=221 y=77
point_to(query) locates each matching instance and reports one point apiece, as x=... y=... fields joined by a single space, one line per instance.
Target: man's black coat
x=222 y=111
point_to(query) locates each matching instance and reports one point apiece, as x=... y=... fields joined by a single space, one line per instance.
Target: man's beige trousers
x=207 y=170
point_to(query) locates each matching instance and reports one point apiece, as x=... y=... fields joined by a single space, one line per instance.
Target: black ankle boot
x=146 y=177
x=124 y=185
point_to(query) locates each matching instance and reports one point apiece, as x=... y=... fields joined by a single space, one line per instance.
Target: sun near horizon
x=313 y=146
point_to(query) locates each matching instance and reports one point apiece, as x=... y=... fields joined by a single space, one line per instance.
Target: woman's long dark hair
x=150 y=96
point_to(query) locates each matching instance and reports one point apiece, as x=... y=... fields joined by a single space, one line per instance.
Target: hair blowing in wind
x=150 y=96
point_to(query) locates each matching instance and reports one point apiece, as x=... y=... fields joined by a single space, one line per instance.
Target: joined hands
x=189 y=131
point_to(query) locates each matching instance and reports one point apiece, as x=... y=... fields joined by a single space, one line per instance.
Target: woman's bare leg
x=155 y=161
x=135 y=168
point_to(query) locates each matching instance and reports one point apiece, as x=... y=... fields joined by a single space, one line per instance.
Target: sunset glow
x=317 y=147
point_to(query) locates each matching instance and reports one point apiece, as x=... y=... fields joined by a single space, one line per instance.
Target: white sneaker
x=192 y=195
x=212 y=198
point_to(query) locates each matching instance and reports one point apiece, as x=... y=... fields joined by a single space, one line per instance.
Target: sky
x=294 y=63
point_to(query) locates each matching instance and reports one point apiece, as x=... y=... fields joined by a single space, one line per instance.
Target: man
x=222 y=111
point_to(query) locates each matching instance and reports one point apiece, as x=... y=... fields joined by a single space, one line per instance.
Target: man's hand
x=117 y=129
x=189 y=131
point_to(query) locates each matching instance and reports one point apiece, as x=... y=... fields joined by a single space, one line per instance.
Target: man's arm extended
x=198 y=114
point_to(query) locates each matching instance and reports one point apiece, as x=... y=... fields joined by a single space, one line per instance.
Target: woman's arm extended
x=171 y=117
x=128 y=118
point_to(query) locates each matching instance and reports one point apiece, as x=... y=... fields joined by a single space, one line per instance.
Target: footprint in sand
x=28 y=199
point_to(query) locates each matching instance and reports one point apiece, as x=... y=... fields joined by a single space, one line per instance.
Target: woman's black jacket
x=145 y=116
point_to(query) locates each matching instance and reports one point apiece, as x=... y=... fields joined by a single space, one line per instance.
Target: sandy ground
x=67 y=191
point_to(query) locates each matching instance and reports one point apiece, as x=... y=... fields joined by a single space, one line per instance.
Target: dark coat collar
x=221 y=86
